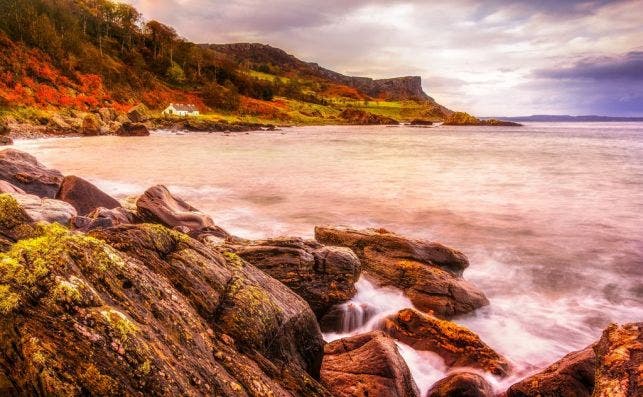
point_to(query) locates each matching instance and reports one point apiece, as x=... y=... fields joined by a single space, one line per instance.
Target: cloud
x=492 y=57
x=626 y=67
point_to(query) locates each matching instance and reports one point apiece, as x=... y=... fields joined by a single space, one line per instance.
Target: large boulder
x=619 y=361
x=257 y=311
x=132 y=129
x=44 y=209
x=84 y=196
x=461 y=384
x=91 y=125
x=158 y=205
x=429 y=273
x=571 y=376
x=458 y=346
x=24 y=171
x=322 y=276
x=81 y=317
x=366 y=365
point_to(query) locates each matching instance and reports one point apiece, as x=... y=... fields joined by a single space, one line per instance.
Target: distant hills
x=566 y=118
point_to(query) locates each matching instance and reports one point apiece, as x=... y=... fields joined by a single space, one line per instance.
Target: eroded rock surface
x=461 y=384
x=429 y=273
x=158 y=205
x=366 y=365
x=25 y=172
x=619 y=361
x=323 y=276
x=84 y=196
x=458 y=346
x=571 y=376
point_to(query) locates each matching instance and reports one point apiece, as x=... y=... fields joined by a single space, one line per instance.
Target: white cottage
x=181 y=109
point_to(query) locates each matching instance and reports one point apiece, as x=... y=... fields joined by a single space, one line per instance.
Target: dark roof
x=184 y=107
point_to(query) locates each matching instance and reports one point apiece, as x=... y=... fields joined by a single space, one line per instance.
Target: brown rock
x=91 y=125
x=366 y=365
x=458 y=346
x=103 y=218
x=6 y=187
x=138 y=114
x=132 y=129
x=421 y=122
x=5 y=140
x=84 y=196
x=361 y=117
x=323 y=276
x=461 y=384
x=619 y=361
x=429 y=273
x=25 y=172
x=158 y=205
x=571 y=376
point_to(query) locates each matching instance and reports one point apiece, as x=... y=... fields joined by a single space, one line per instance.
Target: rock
x=138 y=114
x=80 y=317
x=57 y=123
x=347 y=317
x=429 y=273
x=91 y=125
x=361 y=117
x=461 y=384
x=84 y=196
x=458 y=346
x=158 y=205
x=6 y=187
x=25 y=172
x=366 y=365
x=5 y=141
x=132 y=129
x=571 y=376
x=462 y=118
x=44 y=209
x=619 y=361
x=107 y=114
x=4 y=128
x=322 y=276
x=421 y=122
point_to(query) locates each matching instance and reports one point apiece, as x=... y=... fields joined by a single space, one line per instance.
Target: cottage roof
x=184 y=107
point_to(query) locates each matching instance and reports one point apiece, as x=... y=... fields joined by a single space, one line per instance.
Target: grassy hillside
x=81 y=55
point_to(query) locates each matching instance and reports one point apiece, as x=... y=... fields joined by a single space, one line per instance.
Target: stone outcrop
x=143 y=310
x=322 y=276
x=361 y=117
x=158 y=205
x=462 y=118
x=619 y=361
x=429 y=273
x=571 y=376
x=458 y=346
x=366 y=365
x=25 y=172
x=84 y=196
x=6 y=187
x=132 y=129
x=461 y=384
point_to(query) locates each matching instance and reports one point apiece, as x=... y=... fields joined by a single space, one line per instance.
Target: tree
x=175 y=73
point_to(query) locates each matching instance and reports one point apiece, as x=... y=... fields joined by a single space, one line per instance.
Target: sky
x=489 y=58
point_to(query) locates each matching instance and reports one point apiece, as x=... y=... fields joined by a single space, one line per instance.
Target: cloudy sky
x=489 y=57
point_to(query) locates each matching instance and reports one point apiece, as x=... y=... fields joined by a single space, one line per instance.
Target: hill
x=70 y=58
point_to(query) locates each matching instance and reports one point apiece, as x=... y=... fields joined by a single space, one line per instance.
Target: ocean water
x=550 y=214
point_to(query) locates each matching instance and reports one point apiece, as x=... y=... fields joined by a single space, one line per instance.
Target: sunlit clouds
x=490 y=58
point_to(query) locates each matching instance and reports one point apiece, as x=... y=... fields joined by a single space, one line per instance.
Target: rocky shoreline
x=100 y=297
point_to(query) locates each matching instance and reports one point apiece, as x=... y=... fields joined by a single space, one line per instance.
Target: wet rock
x=79 y=317
x=84 y=196
x=138 y=114
x=461 y=384
x=132 y=129
x=619 y=361
x=366 y=365
x=5 y=141
x=421 y=122
x=347 y=317
x=158 y=205
x=458 y=346
x=25 y=172
x=429 y=273
x=571 y=376
x=322 y=276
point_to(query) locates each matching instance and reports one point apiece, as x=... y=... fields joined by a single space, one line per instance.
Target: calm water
x=550 y=215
